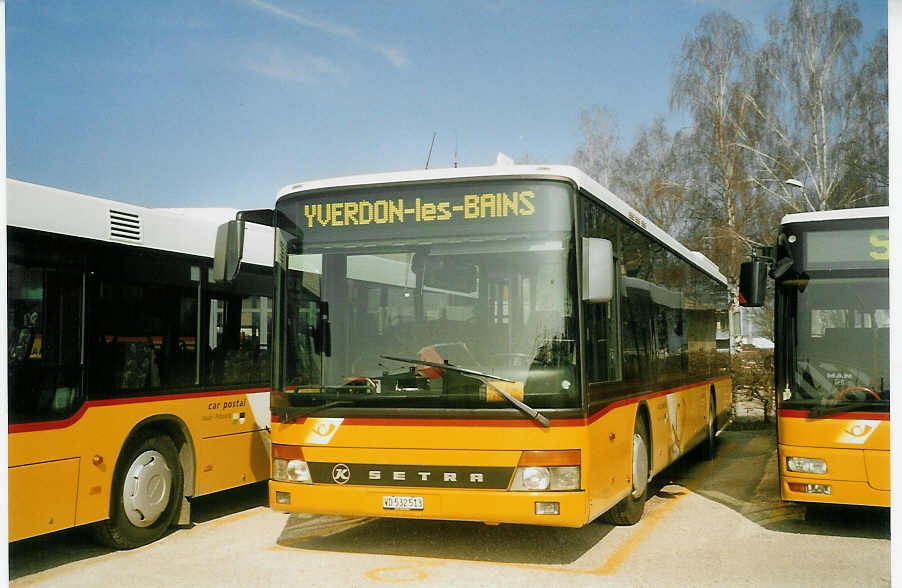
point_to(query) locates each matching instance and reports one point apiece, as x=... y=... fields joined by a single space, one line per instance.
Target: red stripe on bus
x=648 y=396
x=804 y=414
x=62 y=424
x=569 y=422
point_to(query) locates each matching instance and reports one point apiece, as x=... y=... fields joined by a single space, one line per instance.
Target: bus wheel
x=629 y=510
x=709 y=448
x=146 y=494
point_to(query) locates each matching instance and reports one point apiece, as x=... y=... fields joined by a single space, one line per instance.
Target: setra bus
x=831 y=353
x=499 y=344
x=135 y=382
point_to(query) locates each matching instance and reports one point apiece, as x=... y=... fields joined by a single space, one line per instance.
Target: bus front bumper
x=490 y=507
x=807 y=489
x=854 y=476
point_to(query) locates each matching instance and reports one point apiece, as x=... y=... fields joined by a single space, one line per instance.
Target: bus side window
x=602 y=345
x=44 y=343
x=148 y=337
x=239 y=340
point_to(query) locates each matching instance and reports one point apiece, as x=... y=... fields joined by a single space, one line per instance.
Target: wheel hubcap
x=145 y=493
x=640 y=465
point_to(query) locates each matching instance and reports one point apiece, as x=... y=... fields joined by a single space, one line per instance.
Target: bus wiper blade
x=485 y=379
x=820 y=411
x=286 y=414
x=289 y=413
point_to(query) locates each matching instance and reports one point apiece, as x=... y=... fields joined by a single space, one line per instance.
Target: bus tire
x=146 y=494
x=629 y=510
x=709 y=446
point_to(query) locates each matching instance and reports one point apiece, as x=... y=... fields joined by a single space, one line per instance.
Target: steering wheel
x=851 y=388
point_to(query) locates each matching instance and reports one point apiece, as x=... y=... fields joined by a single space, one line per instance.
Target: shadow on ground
x=38 y=554
x=469 y=541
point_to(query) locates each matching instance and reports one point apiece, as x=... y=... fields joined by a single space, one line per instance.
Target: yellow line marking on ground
x=405 y=573
x=634 y=540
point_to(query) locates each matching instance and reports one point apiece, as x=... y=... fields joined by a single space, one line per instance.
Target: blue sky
x=172 y=103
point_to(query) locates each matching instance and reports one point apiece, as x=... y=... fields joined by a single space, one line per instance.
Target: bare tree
x=599 y=154
x=753 y=378
x=866 y=178
x=649 y=178
x=817 y=105
x=712 y=80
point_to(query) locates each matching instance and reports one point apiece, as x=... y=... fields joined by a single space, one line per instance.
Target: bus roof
x=190 y=230
x=842 y=214
x=570 y=174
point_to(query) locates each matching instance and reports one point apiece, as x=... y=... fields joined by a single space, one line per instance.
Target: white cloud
x=396 y=56
x=276 y=64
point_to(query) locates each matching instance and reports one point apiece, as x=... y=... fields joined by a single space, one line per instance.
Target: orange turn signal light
x=553 y=457
x=287 y=451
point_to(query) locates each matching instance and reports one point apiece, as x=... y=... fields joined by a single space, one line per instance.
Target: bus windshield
x=500 y=307
x=490 y=289
x=841 y=346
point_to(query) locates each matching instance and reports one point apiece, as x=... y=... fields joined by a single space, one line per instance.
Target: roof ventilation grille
x=125 y=226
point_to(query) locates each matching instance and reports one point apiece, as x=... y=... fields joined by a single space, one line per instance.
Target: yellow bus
x=135 y=382
x=499 y=344
x=831 y=354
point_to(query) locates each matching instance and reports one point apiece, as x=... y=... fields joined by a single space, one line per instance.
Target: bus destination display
x=434 y=211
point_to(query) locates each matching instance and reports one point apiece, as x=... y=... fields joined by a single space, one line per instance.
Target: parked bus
x=831 y=353
x=499 y=344
x=135 y=383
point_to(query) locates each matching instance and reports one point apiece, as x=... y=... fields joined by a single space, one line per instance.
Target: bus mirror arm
x=228 y=252
x=230 y=239
x=753 y=275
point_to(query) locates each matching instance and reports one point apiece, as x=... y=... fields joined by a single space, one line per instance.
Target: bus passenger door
x=45 y=385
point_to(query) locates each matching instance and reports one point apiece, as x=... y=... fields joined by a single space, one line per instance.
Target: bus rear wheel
x=629 y=510
x=146 y=494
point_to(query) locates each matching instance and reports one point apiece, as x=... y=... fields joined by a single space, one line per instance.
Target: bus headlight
x=291 y=470
x=531 y=479
x=547 y=469
x=806 y=465
x=564 y=478
x=538 y=478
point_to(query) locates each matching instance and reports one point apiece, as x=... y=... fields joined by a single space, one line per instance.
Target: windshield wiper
x=485 y=379
x=820 y=411
x=286 y=413
x=290 y=413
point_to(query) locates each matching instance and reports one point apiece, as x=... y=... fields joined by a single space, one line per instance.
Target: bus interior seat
x=22 y=340
x=139 y=366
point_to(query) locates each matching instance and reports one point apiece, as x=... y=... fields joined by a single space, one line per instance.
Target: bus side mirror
x=228 y=252
x=598 y=270
x=752 y=283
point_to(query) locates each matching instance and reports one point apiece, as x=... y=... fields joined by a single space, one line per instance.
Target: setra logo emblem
x=341 y=473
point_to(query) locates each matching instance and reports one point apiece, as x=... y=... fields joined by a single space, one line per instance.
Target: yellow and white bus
x=135 y=382
x=831 y=354
x=499 y=344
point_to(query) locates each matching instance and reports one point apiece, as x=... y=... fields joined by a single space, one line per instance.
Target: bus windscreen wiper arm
x=819 y=411
x=485 y=379
x=289 y=413
x=286 y=414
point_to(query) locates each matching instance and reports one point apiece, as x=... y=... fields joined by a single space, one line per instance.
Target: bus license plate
x=402 y=502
